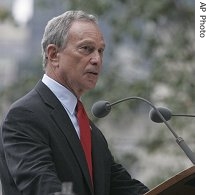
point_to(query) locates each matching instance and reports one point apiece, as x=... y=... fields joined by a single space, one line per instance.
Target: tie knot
x=79 y=106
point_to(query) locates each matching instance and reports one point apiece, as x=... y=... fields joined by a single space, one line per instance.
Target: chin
x=91 y=86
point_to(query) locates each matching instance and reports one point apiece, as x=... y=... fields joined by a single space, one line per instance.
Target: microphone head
x=101 y=109
x=166 y=113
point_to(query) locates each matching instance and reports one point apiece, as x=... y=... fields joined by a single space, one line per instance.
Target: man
x=41 y=143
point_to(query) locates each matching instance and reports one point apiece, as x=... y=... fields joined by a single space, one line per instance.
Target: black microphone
x=167 y=114
x=102 y=108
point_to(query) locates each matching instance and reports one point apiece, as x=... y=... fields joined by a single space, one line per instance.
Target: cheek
x=67 y=65
x=73 y=65
x=71 y=70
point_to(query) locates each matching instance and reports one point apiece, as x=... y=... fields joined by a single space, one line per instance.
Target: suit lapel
x=62 y=120
x=65 y=125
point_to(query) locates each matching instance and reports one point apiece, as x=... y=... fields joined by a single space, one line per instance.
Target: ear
x=52 y=56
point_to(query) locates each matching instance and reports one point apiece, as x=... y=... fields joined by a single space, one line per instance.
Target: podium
x=182 y=183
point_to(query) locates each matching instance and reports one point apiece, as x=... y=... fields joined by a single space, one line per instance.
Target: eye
x=101 y=51
x=86 y=49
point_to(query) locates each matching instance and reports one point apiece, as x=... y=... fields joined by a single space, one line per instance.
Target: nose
x=96 y=58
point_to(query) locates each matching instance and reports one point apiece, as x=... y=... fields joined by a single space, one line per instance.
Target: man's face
x=79 y=64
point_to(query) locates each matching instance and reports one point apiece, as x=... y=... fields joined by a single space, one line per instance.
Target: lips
x=92 y=72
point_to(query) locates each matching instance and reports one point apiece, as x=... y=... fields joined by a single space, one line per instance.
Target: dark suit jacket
x=39 y=149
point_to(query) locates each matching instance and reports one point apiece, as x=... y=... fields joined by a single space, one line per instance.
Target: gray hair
x=56 y=30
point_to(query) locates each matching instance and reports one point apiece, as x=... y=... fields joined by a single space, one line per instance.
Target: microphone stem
x=148 y=102
x=180 y=141
x=186 y=115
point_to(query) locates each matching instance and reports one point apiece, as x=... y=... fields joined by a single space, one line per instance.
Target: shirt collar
x=66 y=97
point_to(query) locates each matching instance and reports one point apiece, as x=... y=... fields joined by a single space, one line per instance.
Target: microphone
x=102 y=108
x=167 y=114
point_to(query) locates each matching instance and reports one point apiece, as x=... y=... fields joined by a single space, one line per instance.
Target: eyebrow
x=91 y=42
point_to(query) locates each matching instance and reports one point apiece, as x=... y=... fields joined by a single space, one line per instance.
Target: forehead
x=82 y=30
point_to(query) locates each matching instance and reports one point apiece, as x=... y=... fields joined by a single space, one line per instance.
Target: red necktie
x=85 y=135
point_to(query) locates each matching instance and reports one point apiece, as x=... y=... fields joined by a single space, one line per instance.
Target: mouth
x=92 y=73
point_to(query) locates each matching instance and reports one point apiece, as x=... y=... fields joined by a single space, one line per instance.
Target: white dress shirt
x=66 y=97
